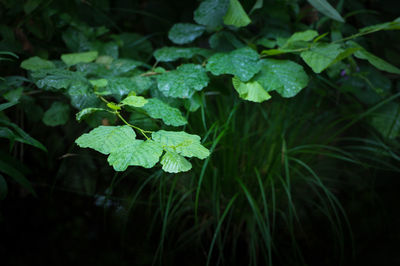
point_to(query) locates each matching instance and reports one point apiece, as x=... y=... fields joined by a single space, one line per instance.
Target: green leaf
x=36 y=63
x=105 y=138
x=325 y=8
x=157 y=109
x=320 y=56
x=82 y=96
x=121 y=86
x=376 y=61
x=211 y=12
x=236 y=16
x=75 y=58
x=134 y=101
x=172 y=162
x=393 y=25
x=57 y=78
x=56 y=115
x=99 y=83
x=185 y=144
x=123 y=66
x=135 y=153
x=243 y=63
x=386 y=120
x=17 y=176
x=86 y=112
x=22 y=136
x=169 y=54
x=225 y=41
x=257 y=5
x=284 y=76
x=4 y=106
x=182 y=33
x=183 y=82
x=14 y=95
x=250 y=91
x=3 y=188
x=304 y=36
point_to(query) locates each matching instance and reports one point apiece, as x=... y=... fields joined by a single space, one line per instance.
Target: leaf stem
x=143 y=132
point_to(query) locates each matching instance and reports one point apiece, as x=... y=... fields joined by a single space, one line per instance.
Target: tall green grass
x=275 y=171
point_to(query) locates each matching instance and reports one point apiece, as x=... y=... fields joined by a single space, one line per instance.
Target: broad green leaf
x=99 y=83
x=56 y=115
x=169 y=54
x=82 y=96
x=22 y=136
x=250 y=91
x=157 y=109
x=393 y=25
x=325 y=8
x=17 y=176
x=211 y=12
x=105 y=138
x=225 y=41
x=135 y=153
x=57 y=78
x=386 y=120
x=236 y=16
x=243 y=63
x=122 y=66
x=376 y=61
x=134 y=101
x=86 y=112
x=172 y=162
x=284 y=76
x=3 y=188
x=121 y=86
x=344 y=54
x=304 y=36
x=4 y=106
x=183 y=82
x=185 y=144
x=75 y=58
x=36 y=63
x=182 y=33
x=320 y=56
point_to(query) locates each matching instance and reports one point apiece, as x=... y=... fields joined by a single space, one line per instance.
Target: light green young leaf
x=376 y=61
x=183 y=82
x=211 y=12
x=182 y=33
x=304 y=36
x=250 y=91
x=236 y=16
x=169 y=54
x=99 y=83
x=172 y=162
x=171 y=116
x=14 y=95
x=243 y=63
x=320 y=56
x=36 y=63
x=86 y=112
x=325 y=8
x=284 y=76
x=56 y=115
x=75 y=58
x=105 y=138
x=185 y=144
x=4 y=106
x=133 y=152
x=257 y=5
x=135 y=101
